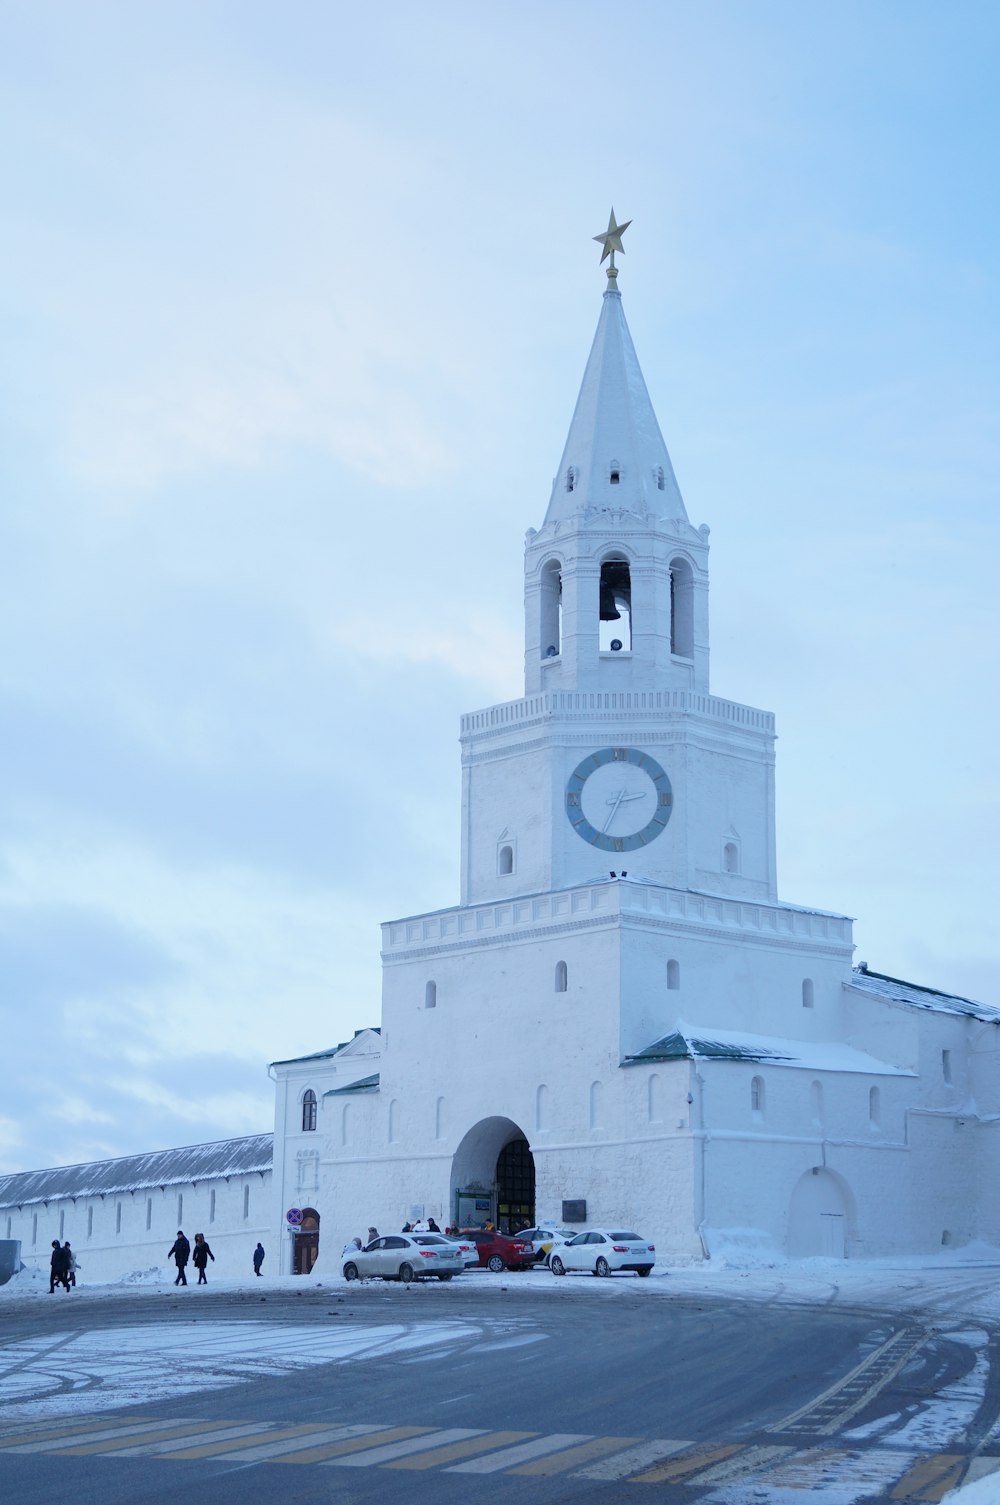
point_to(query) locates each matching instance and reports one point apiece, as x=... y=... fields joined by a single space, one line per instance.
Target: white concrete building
x=622 y=1021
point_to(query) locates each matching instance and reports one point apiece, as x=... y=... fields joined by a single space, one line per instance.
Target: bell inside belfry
x=615 y=590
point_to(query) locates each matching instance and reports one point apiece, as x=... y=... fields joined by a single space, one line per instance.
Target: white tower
x=616 y=668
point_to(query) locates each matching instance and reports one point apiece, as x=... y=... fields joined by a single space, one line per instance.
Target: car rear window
x=429 y=1238
x=626 y=1237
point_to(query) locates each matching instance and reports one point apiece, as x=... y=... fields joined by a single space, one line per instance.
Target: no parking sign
x=293 y=1217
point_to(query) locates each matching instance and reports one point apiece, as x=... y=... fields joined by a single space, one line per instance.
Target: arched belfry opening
x=493 y=1177
x=551 y=610
x=681 y=609
x=615 y=605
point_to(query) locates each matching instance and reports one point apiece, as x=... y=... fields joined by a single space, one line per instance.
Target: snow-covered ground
x=53 y=1376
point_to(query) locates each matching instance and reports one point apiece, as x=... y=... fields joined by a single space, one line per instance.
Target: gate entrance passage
x=515 y=1187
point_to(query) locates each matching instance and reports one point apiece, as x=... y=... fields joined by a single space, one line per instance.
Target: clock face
x=618 y=799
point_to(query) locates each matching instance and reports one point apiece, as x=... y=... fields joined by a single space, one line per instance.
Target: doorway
x=305 y=1251
x=515 y=1187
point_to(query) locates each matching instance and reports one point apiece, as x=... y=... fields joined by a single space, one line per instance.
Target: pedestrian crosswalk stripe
x=355 y=1444
x=930 y=1478
x=460 y=1449
x=687 y=1463
x=632 y=1459
x=891 y=1474
x=509 y=1456
x=597 y=1447
x=289 y=1446
x=390 y=1451
x=160 y=1449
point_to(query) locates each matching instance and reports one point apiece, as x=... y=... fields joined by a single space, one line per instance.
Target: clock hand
x=614 y=810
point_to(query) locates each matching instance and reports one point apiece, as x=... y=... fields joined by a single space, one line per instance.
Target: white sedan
x=406 y=1257
x=544 y=1240
x=601 y=1250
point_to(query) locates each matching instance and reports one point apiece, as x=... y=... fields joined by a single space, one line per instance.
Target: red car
x=498 y=1252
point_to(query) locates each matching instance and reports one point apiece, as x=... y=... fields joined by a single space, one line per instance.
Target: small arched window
x=730 y=857
x=505 y=861
x=808 y=993
x=541 y=1107
x=874 y=1108
x=658 y=476
x=439 y=1118
x=562 y=977
x=946 y=1065
x=757 y=1097
x=149 y=1213
x=345 y=1125
x=430 y=995
x=816 y=1094
x=596 y=1105
x=211 y=1205
x=673 y=974
x=571 y=478
x=308 y=1110
x=393 y=1121
x=180 y=1211
x=90 y=1222
x=653 y=1112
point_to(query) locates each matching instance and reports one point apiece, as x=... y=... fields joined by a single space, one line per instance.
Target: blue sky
x=295 y=302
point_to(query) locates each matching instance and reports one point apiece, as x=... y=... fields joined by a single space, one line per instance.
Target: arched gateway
x=493 y=1177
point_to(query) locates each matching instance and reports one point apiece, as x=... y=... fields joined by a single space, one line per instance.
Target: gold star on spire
x=611 y=240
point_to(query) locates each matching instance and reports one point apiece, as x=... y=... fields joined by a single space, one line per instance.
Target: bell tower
x=617 y=757
x=616 y=579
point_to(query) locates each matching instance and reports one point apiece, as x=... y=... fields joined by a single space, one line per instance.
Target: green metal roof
x=365 y=1084
x=679 y=1047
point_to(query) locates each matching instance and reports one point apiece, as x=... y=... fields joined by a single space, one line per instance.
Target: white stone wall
x=114 y=1235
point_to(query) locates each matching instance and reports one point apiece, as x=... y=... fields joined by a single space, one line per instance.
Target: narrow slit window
x=505 y=861
x=308 y=1110
x=808 y=993
x=562 y=977
x=430 y=995
x=681 y=609
x=673 y=974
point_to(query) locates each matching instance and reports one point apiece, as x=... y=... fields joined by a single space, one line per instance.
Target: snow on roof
x=893 y=988
x=324 y=1055
x=364 y=1084
x=701 y=1042
x=196 y=1162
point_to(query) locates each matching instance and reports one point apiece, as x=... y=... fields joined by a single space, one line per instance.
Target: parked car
x=470 y=1251
x=544 y=1240
x=498 y=1252
x=601 y=1250
x=406 y=1257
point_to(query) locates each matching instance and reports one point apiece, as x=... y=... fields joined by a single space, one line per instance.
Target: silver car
x=406 y=1257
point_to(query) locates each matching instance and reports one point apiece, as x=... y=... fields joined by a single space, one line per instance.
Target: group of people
x=181 y=1251
x=428 y=1226
x=62 y=1271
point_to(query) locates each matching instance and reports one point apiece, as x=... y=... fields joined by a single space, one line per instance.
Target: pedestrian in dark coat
x=258 y=1258
x=432 y=1227
x=180 y=1253
x=58 y=1267
x=200 y=1256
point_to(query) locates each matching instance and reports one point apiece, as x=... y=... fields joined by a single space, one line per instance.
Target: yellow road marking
x=155 y=1433
x=464 y=1449
x=234 y=1444
x=355 y=1444
x=584 y=1452
x=930 y=1478
x=689 y=1463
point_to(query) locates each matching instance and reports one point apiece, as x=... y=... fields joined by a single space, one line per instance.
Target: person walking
x=258 y=1257
x=180 y=1253
x=73 y=1266
x=58 y=1267
x=200 y=1257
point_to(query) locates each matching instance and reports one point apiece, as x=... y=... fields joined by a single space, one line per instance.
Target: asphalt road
x=388 y=1393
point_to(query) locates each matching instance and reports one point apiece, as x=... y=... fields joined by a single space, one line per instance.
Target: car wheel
x=556 y=1265
x=406 y=1273
x=495 y=1263
x=350 y=1272
x=644 y=1269
x=602 y=1267
x=444 y=1277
